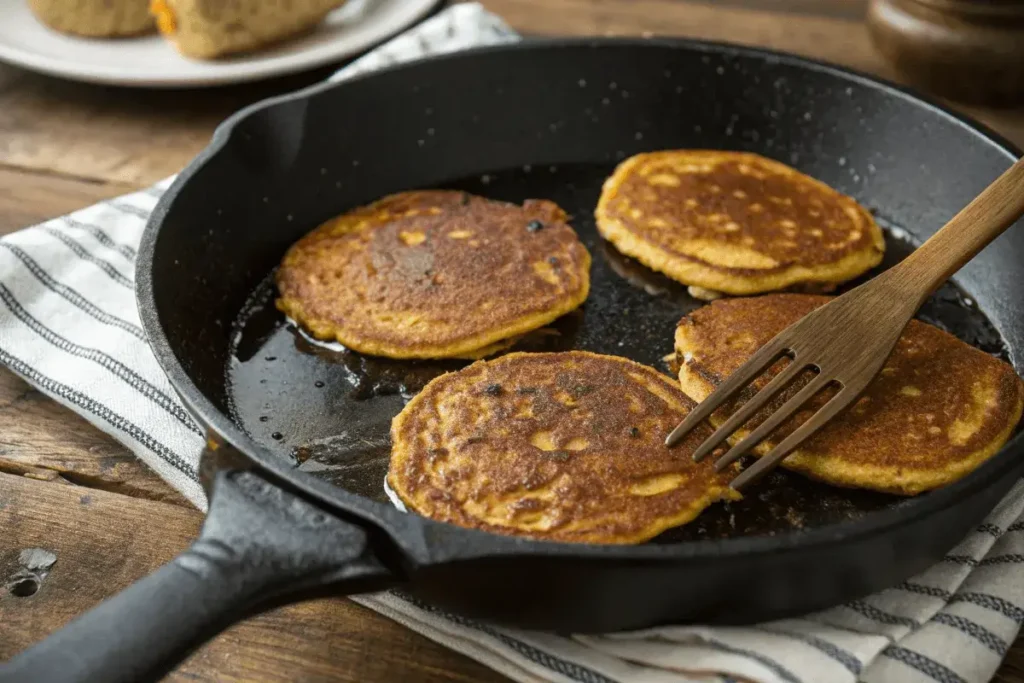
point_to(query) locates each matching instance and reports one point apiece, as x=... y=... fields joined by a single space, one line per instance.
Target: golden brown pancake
x=95 y=18
x=435 y=274
x=555 y=446
x=205 y=29
x=736 y=223
x=937 y=410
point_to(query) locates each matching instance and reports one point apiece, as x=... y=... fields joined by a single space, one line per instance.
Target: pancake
x=95 y=18
x=434 y=274
x=735 y=223
x=554 y=446
x=938 y=409
x=207 y=29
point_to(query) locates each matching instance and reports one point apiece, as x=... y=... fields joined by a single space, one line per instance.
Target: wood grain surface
x=68 y=488
x=115 y=539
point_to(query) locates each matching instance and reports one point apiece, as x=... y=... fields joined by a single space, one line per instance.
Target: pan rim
x=410 y=532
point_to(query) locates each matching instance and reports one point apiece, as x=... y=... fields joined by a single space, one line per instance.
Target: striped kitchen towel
x=69 y=326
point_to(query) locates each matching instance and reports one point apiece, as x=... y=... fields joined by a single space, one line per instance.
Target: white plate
x=151 y=61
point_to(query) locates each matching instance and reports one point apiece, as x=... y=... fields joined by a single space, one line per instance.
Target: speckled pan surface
x=551 y=120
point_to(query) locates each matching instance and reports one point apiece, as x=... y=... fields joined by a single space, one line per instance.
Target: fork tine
x=791 y=442
x=747 y=410
x=774 y=420
x=768 y=354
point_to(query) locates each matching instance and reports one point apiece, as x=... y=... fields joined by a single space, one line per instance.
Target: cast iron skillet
x=297 y=433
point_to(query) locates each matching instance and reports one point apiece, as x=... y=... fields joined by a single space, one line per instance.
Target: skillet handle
x=260 y=547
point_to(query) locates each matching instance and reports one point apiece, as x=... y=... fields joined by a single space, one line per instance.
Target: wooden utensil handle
x=990 y=213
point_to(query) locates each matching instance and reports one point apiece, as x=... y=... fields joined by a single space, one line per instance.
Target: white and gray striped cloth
x=68 y=325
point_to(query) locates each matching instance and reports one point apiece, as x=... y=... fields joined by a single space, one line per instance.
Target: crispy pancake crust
x=555 y=446
x=734 y=222
x=434 y=274
x=938 y=409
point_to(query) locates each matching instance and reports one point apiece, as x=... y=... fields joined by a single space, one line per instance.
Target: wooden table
x=67 y=487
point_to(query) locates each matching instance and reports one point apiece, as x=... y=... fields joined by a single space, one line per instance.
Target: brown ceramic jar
x=967 y=50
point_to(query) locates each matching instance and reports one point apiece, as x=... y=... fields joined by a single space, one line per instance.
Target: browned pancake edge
x=938 y=409
x=554 y=446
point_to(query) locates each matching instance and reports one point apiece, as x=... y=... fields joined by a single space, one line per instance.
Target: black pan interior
x=329 y=409
x=550 y=122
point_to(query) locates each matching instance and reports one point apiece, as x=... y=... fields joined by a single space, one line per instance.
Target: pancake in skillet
x=556 y=446
x=434 y=274
x=735 y=223
x=938 y=409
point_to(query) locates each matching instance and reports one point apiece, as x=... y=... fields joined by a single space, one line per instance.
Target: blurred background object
x=95 y=18
x=971 y=51
x=199 y=33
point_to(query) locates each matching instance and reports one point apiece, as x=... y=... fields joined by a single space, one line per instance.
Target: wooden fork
x=847 y=341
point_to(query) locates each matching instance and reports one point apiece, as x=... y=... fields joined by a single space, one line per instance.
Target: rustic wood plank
x=120 y=135
x=104 y=541
x=27 y=197
x=1012 y=670
x=822 y=37
x=846 y=9
x=44 y=440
